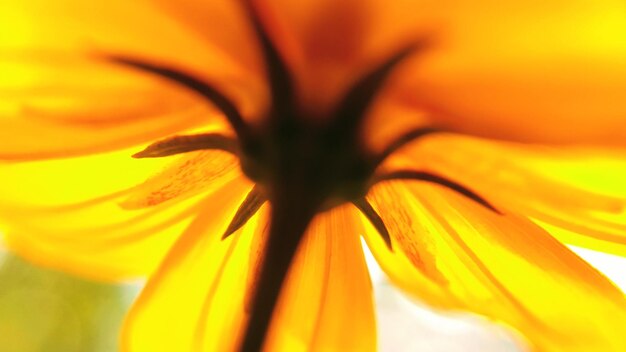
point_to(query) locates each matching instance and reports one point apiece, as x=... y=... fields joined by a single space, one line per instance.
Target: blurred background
x=47 y=311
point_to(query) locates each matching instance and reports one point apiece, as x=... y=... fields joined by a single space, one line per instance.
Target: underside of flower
x=302 y=165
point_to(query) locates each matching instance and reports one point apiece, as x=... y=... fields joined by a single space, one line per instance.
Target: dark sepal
x=439 y=180
x=211 y=94
x=278 y=74
x=404 y=139
x=354 y=105
x=184 y=144
x=253 y=202
x=370 y=213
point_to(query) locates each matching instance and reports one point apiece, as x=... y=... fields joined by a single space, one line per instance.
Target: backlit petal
x=329 y=275
x=57 y=87
x=66 y=214
x=140 y=28
x=223 y=25
x=458 y=255
x=60 y=105
x=329 y=44
x=188 y=175
x=194 y=301
x=577 y=189
x=327 y=304
x=526 y=70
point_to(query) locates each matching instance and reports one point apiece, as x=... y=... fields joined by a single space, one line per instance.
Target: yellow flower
x=429 y=127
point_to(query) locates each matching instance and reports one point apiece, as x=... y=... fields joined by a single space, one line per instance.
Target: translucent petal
x=60 y=105
x=190 y=174
x=185 y=290
x=329 y=44
x=223 y=25
x=66 y=214
x=237 y=66
x=578 y=189
x=118 y=27
x=327 y=304
x=329 y=274
x=57 y=87
x=551 y=72
x=500 y=266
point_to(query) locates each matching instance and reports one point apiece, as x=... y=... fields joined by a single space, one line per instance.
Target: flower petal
x=223 y=25
x=234 y=65
x=329 y=44
x=329 y=274
x=60 y=105
x=65 y=214
x=111 y=27
x=57 y=86
x=185 y=289
x=577 y=189
x=551 y=72
x=189 y=175
x=503 y=267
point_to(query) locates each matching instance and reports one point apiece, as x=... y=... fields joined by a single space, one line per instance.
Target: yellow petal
x=526 y=70
x=326 y=40
x=61 y=105
x=200 y=286
x=234 y=62
x=190 y=174
x=577 y=189
x=500 y=266
x=66 y=214
x=327 y=304
x=328 y=44
x=139 y=29
x=223 y=25
x=329 y=275
x=50 y=91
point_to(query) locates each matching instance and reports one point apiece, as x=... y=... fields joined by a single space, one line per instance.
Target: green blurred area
x=42 y=310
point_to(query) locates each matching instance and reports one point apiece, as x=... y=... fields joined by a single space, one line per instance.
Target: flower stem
x=289 y=220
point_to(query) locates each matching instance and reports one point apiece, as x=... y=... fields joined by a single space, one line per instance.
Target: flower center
x=295 y=151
